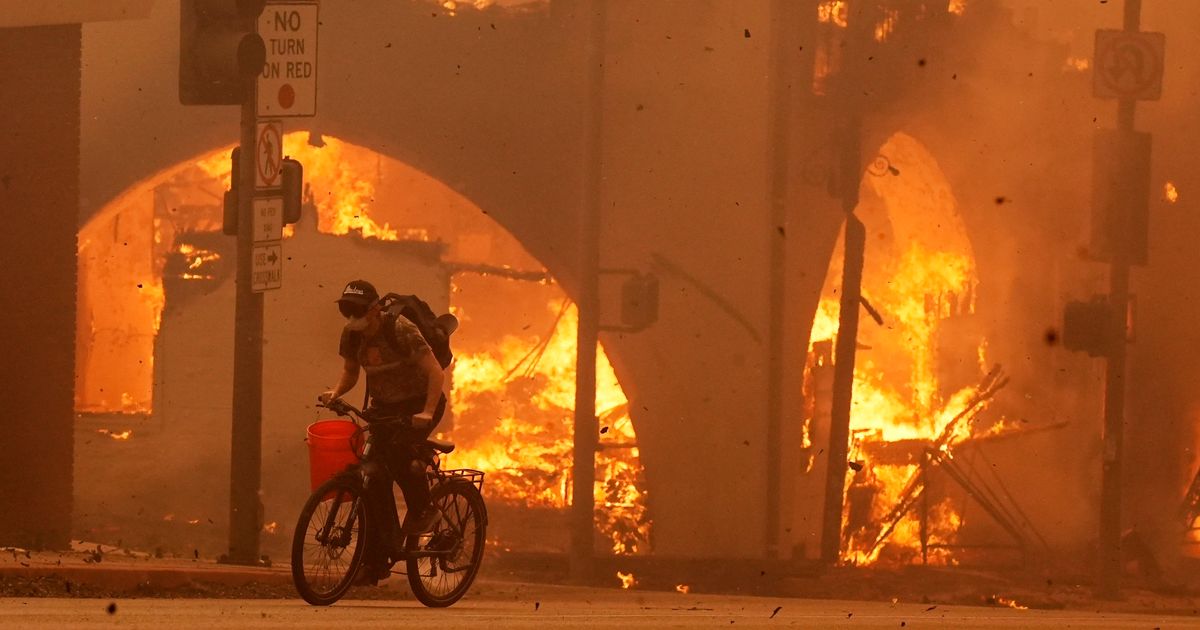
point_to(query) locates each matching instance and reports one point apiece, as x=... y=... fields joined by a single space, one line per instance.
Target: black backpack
x=434 y=328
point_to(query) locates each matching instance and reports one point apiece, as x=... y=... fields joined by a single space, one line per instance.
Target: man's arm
x=346 y=383
x=436 y=378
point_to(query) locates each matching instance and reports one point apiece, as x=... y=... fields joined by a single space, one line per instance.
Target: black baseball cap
x=359 y=292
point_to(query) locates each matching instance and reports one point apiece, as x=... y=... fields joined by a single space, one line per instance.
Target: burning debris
x=628 y=581
x=194 y=261
x=913 y=380
x=513 y=407
x=120 y=436
x=1000 y=600
x=1170 y=192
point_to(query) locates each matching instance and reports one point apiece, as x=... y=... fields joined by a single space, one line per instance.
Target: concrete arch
x=130 y=218
x=495 y=114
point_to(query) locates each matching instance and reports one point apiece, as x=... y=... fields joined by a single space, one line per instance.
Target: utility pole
x=849 y=178
x=1115 y=370
x=245 y=468
x=843 y=380
x=223 y=60
x=220 y=57
x=783 y=23
x=587 y=429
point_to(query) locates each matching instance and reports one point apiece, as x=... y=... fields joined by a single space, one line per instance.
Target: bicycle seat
x=441 y=446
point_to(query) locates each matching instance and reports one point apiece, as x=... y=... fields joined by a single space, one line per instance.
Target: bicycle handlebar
x=343 y=408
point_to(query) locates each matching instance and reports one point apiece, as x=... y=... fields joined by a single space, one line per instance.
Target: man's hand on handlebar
x=326 y=397
x=422 y=420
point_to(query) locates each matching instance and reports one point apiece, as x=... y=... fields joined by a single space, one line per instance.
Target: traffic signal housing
x=291 y=178
x=219 y=50
x=291 y=188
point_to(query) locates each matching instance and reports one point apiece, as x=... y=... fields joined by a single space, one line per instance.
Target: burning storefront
x=154 y=368
x=975 y=129
x=923 y=381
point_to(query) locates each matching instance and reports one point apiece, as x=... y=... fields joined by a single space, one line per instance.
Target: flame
x=517 y=427
x=271 y=528
x=197 y=257
x=346 y=193
x=627 y=580
x=116 y=435
x=194 y=521
x=194 y=261
x=683 y=588
x=957 y=7
x=887 y=25
x=1078 y=64
x=1000 y=600
x=514 y=421
x=124 y=248
x=833 y=12
x=1170 y=192
x=889 y=407
x=917 y=279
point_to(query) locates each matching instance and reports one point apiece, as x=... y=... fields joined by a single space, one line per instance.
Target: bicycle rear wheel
x=439 y=581
x=327 y=547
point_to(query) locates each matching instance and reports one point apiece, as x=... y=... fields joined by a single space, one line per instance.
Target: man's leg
x=414 y=484
x=381 y=504
x=382 y=536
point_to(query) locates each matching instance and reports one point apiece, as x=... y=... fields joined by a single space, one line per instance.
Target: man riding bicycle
x=404 y=380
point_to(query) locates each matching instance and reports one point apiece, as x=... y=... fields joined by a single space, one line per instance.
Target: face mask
x=357 y=324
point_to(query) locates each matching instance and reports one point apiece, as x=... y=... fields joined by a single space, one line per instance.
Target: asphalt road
x=537 y=606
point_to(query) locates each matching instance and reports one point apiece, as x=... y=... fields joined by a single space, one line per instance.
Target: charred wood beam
x=503 y=272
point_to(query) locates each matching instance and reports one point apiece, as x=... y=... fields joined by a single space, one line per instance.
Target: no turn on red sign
x=287 y=85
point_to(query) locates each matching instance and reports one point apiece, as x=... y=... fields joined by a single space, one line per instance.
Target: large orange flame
x=916 y=279
x=513 y=406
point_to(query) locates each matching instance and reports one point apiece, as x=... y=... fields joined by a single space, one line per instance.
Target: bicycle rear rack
x=474 y=477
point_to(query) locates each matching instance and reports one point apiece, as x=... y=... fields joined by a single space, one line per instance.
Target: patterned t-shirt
x=393 y=373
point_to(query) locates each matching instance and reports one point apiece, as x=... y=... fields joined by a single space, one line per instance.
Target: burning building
x=155 y=278
x=973 y=127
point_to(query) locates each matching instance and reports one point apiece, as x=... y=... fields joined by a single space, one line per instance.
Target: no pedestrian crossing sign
x=268 y=154
x=287 y=86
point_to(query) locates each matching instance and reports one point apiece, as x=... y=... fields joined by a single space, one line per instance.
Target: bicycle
x=331 y=538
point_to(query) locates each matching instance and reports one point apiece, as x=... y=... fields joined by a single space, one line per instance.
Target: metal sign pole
x=587 y=431
x=245 y=470
x=1114 y=378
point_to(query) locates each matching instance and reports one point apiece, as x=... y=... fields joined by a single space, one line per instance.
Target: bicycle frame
x=364 y=470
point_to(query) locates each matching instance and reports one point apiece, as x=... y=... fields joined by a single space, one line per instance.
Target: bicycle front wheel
x=327 y=547
x=455 y=545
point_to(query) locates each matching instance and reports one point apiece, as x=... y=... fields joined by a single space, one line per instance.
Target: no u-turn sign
x=288 y=84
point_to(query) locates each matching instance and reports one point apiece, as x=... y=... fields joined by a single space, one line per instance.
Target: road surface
x=550 y=607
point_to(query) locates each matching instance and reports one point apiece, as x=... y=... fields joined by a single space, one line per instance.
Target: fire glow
x=120 y=436
x=628 y=581
x=1170 y=192
x=515 y=425
x=916 y=283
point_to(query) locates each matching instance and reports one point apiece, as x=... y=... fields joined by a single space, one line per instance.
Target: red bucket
x=330 y=449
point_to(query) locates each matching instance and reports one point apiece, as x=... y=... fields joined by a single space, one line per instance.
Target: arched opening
x=155 y=273
x=917 y=365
